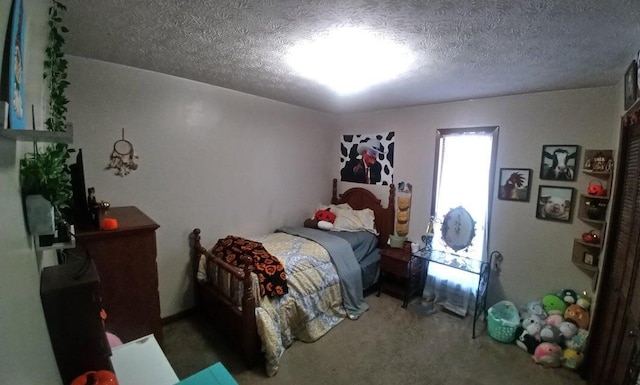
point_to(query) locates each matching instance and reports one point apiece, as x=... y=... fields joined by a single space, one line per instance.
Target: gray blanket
x=346 y=265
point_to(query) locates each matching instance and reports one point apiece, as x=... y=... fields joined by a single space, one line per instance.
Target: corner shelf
x=585 y=255
x=39 y=135
x=596 y=222
x=589 y=244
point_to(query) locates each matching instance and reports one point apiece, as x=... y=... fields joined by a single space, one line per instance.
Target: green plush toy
x=553 y=304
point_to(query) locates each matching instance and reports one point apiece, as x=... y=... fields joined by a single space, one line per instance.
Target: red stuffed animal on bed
x=325 y=215
x=322 y=219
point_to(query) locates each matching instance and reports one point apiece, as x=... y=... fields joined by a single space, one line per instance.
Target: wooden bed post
x=196 y=241
x=196 y=251
x=392 y=196
x=250 y=341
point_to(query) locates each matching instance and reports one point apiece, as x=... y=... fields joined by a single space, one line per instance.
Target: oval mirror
x=458 y=228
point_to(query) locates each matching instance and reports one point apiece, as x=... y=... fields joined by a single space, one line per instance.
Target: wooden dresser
x=71 y=306
x=125 y=259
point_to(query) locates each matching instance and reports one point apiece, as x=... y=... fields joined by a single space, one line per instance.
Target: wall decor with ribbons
x=122 y=157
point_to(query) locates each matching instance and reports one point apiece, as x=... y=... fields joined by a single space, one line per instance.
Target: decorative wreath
x=123 y=157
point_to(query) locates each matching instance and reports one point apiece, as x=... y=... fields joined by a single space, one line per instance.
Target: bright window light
x=349 y=60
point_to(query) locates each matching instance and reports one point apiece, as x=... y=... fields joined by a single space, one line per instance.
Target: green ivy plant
x=55 y=69
x=45 y=171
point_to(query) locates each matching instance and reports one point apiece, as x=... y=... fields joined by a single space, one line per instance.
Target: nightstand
x=401 y=273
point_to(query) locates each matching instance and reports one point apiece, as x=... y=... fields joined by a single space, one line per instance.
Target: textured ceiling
x=465 y=49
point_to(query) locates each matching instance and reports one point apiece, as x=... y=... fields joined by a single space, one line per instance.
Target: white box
x=141 y=362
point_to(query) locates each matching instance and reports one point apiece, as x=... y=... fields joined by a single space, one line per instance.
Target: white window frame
x=486 y=130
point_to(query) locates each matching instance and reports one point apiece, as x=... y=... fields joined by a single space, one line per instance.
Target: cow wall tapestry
x=515 y=184
x=14 y=90
x=367 y=158
x=559 y=162
x=555 y=203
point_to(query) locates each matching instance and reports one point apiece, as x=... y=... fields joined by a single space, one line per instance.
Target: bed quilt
x=313 y=305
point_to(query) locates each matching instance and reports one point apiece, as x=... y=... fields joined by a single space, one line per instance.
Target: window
x=465 y=163
x=464 y=169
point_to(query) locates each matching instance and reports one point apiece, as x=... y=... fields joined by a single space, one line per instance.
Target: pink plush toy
x=554 y=319
x=548 y=354
x=113 y=340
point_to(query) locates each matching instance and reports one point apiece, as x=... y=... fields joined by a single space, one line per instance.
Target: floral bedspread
x=314 y=302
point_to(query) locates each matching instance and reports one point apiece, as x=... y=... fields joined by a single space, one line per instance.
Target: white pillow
x=348 y=219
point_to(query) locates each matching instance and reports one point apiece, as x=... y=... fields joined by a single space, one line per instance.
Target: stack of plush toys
x=554 y=330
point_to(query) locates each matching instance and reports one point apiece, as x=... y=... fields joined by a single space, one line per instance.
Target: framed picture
x=367 y=158
x=630 y=85
x=555 y=203
x=16 y=67
x=515 y=184
x=559 y=162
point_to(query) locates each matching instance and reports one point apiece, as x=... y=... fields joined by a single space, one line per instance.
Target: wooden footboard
x=217 y=296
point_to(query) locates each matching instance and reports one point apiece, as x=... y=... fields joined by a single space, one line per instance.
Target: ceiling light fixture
x=348 y=60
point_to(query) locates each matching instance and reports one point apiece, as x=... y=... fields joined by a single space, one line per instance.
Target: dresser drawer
x=394 y=266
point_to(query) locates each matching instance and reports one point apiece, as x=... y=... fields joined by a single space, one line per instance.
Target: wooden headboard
x=359 y=198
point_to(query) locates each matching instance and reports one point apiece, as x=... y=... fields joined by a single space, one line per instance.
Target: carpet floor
x=387 y=345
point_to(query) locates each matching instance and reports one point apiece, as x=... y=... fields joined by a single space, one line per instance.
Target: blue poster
x=16 y=68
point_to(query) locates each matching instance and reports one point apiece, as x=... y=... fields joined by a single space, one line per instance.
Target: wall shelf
x=602 y=174
x=596 y=222
x=587 y=267
x=39 y=135
x=592 y=210
x=56 y=245
x=589 y=244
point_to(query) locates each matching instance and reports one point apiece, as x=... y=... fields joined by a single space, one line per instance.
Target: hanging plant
x=45 y=171
x=55 y=69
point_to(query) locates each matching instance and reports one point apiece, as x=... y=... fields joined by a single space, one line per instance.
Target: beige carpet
x=387 y=345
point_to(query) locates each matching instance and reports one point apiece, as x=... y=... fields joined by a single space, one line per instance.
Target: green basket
x=502 y=321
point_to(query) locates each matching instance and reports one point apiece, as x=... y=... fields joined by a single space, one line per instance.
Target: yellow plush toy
x=571 y=359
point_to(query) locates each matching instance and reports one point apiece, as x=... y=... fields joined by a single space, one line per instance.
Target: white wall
x=537 y=253
x=220 y=160
x=234 y=163
x=25 y=349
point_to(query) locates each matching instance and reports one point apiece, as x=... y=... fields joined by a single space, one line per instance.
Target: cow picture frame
x=515 y=184
x=555 y=203
x=558 y=162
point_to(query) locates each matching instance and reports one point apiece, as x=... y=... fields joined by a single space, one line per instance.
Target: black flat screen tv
x=79 y=207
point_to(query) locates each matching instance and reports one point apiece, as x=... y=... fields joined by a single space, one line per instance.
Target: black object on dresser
x=126 y=261
x=72 y=308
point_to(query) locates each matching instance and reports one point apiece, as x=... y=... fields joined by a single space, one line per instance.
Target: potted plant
x=45 y=177
x=45 y=180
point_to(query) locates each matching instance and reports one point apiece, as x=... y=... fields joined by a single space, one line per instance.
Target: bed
x=322 y=291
